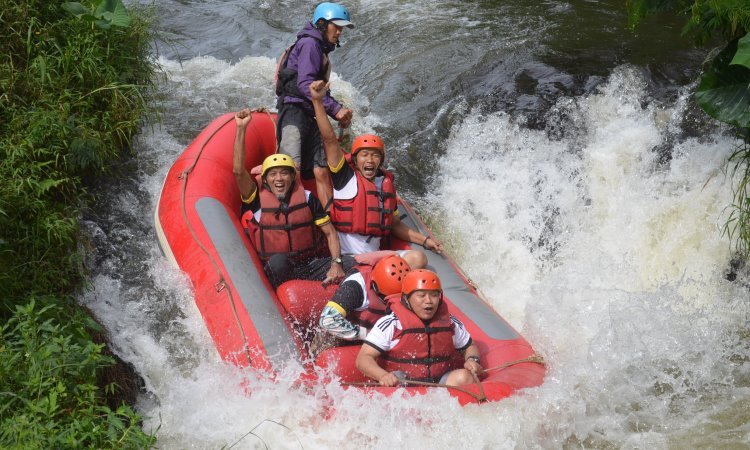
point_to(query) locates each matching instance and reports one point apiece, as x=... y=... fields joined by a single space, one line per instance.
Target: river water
x=557 y=155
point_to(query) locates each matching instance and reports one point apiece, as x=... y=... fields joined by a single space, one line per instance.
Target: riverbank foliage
x=724 y=88
x=73 y=80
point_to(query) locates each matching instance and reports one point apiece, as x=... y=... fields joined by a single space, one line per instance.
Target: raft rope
x=222 y=283
x=481 y=398
x=533 y=358
x=406 y=382
x=260 y=438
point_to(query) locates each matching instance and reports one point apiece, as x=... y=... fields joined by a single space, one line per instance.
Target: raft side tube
x=273 y=330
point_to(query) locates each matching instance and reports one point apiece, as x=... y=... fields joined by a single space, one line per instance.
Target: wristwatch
x=473 y=358
x=337 y=260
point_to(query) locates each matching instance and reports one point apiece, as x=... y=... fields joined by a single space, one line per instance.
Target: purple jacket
x=307 y=58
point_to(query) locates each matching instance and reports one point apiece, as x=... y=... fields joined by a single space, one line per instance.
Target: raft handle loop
x=263 y=109
x=220 y=285
x=533 y=358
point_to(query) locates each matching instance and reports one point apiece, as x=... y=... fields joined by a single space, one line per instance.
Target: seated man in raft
x=360 y=300
x=286 y=224
x=364 y=195
x=419 y=339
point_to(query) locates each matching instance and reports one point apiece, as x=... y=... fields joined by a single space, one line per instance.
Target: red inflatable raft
x=198 y=227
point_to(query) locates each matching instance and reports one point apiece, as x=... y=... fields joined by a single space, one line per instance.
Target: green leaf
x=724 y=90
x=120 y=18
x=111 y=12
x=105 y=6
x=76 y=8
x=742 y=57
x=52 y=402
x=46 y=185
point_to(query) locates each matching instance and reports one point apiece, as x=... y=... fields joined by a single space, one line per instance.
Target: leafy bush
x=49 y=396
x=73 y=96
x=73 y=89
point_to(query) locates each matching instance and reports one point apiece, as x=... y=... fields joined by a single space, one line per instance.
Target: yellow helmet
x=277 y=160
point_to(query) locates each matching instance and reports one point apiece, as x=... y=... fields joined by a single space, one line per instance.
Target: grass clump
x=50 y=397
x=74 y=81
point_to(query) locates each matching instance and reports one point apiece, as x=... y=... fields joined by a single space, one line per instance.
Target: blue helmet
x=332 y=12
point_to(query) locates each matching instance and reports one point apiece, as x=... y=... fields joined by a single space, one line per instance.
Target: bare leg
x=416 y=259
x=459 y=377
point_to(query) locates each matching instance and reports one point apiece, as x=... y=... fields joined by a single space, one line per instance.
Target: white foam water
x=609 y=262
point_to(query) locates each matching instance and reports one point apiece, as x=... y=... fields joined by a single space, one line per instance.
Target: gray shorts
x=299 y=137
x=442 y=380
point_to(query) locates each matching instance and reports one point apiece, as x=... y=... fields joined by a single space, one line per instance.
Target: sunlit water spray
x=609 y=263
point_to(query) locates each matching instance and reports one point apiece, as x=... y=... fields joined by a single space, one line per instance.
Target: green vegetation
x=50 y=394
x=73 y=81
x=724 y=89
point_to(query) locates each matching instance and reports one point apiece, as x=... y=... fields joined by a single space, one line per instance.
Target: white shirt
x=386 y=333
x=353 y=243
x=360 y=280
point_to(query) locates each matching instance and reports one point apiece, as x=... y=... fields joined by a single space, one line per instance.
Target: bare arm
x=403 y=232
x=336 y=272
x=469 y=364
x=367 y=364
x=244 y=180
x=334 y=152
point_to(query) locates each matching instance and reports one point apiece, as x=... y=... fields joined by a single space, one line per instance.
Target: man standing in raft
x=286 y=224
x=419 y=339
x=364 y=195
x=304 y=62
x=360 y=300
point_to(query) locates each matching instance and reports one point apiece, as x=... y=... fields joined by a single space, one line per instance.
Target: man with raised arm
x=286 y=224
x=364 y=195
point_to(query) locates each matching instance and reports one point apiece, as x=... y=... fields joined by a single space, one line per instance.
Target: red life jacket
x=370 y=212
x=289 y=230
x=376 y=306
x=425 y=351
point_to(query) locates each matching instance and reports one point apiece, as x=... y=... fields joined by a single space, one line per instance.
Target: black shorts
x=299 y=137
x=280 y=269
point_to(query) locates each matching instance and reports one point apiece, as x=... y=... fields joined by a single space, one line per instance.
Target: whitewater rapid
x=606 y=257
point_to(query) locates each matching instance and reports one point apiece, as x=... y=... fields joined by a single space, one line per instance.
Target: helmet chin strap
x=322 y=26
x=405 y=302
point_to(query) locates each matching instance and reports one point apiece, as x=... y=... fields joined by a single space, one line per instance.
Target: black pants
x=279 y=268
x=299 y=137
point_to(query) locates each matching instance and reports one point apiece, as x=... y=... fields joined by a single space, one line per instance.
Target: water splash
x=606 y=258
x=611 y=262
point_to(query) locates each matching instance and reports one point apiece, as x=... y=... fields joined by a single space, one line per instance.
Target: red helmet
x=388 y=274
x=368 y=141
x=420 y=279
